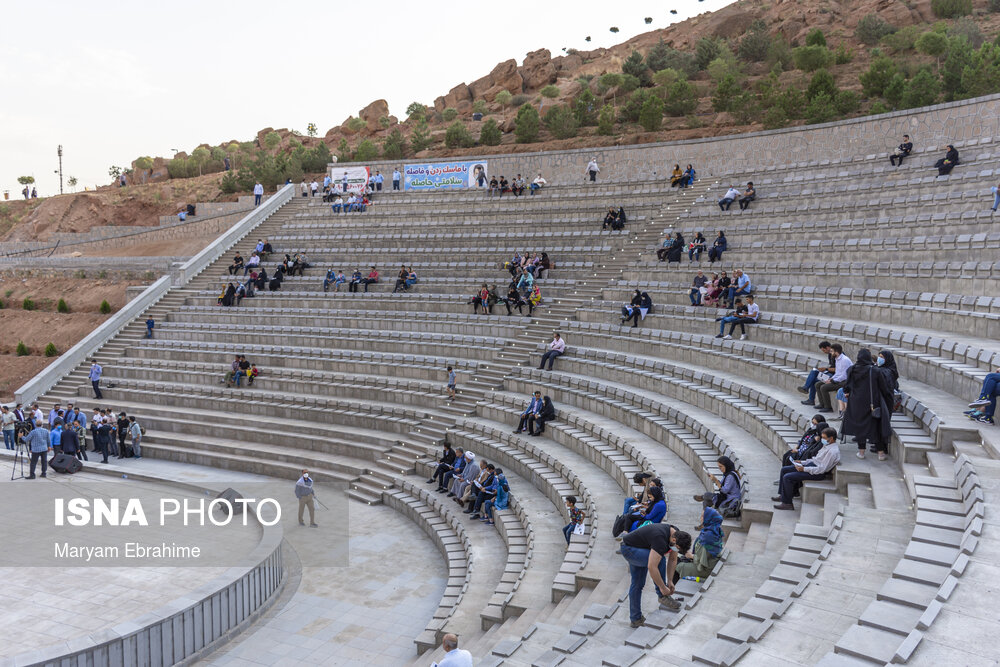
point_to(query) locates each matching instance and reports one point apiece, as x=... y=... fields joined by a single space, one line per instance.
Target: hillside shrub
x=681 y=98
x=968 y=29
x=815 y=37
x=658 y=57
x=745 y=108
x=636 y=66
x=822 y=82
x=775 y=118
x=585 y=108
x=842 y=55
x=479 y=106
x=755 y=44
x=705 y=51
x=365 y=152
x=993 y=5
x=420 y=138
x=458 y=136
x=526 y=124
x=559 y=120
x=28 y=303
x=629 y=112
x=449 y=114
x=895 y=90
x=872 y=28
x=651 y=114
x=519 y=100
x=821 y=109
x=879 y=74
x=22 y=349
x=105 y=307
x=725 y=92
x=904 y=39
x=395 y=145
x=811 y=58
x=982 y=75
x=779 y=54
x=606 y=120
x=922 y=90
x=951 y=9
x=51 y=351
x=62 y=307
x=490 y=133
x=846 y=102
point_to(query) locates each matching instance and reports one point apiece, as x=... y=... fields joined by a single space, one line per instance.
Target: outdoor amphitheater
x=881 y=562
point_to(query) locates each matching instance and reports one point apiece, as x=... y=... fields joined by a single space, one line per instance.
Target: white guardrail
x=77 y=354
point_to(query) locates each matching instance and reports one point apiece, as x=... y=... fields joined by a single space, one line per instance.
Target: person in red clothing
x=372 y=278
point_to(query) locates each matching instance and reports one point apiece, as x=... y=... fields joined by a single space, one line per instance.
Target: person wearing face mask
x=815 y=468
x=869 y=405
x=304 y=492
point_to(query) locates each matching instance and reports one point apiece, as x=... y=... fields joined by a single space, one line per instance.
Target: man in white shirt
x=555 y=348
x=815 y=468
x=538 y=183
x=592 y=169
x=37 y=416
x=338 y=204
x=842 y=363
x=749 y=317
x=252 y=263
x=314 y=187
x=258 y=192
x=453 y=656
x=732 y=194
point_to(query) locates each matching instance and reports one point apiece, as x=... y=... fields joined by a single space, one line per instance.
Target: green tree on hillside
x=503 y=99
x=606 y=120
x=635 y=66
x=526 y=124
x=490 y=133
x=651 y=114
x=144 y=164
x=271 y=140
x=394 y=146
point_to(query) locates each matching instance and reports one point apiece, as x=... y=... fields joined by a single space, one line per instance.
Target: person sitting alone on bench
x=902 y=151
x=727 y=499
x=948 y=162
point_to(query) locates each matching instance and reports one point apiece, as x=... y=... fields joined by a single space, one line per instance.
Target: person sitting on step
x=546 y=414
x=817 y=467
x=610 y=218
x=700 y=561
x=530 y=413
x=984 y=407
x=444 y=482
x=748 y=196
x=401 y=279
x=729 y=496
x=809 y=444
x=499 y=501
x=637 y=308
x=469 y=473
x=719 y=246
x=476 y=494
x=948 y=162
x=237 y=264
x=555 y=348
x=653 y=511
x=751 y=316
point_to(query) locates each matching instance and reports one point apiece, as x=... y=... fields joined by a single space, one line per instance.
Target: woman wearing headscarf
x=620 y=219
x=869 y=405
x=676 y=175
x=809 y=444
x=656 y=509
x=719 y=246
x=676 y=248
x=545 y=414
x=707 y=548
x=230 y=296
x=727 y=498
x=886 y=363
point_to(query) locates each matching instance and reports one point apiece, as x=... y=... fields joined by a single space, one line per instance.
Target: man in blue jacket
x=530 y=413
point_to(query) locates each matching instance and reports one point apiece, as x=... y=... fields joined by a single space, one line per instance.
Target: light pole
x=60 y=170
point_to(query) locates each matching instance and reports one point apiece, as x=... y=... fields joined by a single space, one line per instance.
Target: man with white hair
x=469 y=473
x=304 y=492
x=592 y=169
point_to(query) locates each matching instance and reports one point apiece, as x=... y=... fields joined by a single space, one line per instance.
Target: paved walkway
x=365 y=614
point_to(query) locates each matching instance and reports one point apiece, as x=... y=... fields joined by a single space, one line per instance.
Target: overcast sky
x=113 y=81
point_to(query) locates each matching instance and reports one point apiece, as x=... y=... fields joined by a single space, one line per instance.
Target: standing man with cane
x=304 y=492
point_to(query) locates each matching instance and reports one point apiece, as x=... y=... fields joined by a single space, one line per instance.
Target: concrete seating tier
x=443 y=526
x=977 y=247
x=697 y=445
x=806 y=552
x=347 y=411
x=491 y=267
x=418 y=224
x=954 y=366
x=949 y=522
x=429 y=323
x=605 y=450
x=938 y=277
x=169 y=354
x=946 y=313
x=321 y=254
x=408 y=303
x=534 y=237
x=325 y=338
x=913 y=430
x=490 y=442
x=873 y=226
x=459 y=286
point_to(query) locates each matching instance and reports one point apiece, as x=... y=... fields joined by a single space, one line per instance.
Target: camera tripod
x=20 y=454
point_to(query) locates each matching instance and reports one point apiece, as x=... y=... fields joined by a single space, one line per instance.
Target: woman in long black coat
x=545 y=414
x=869 y=405
x=675 y=250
